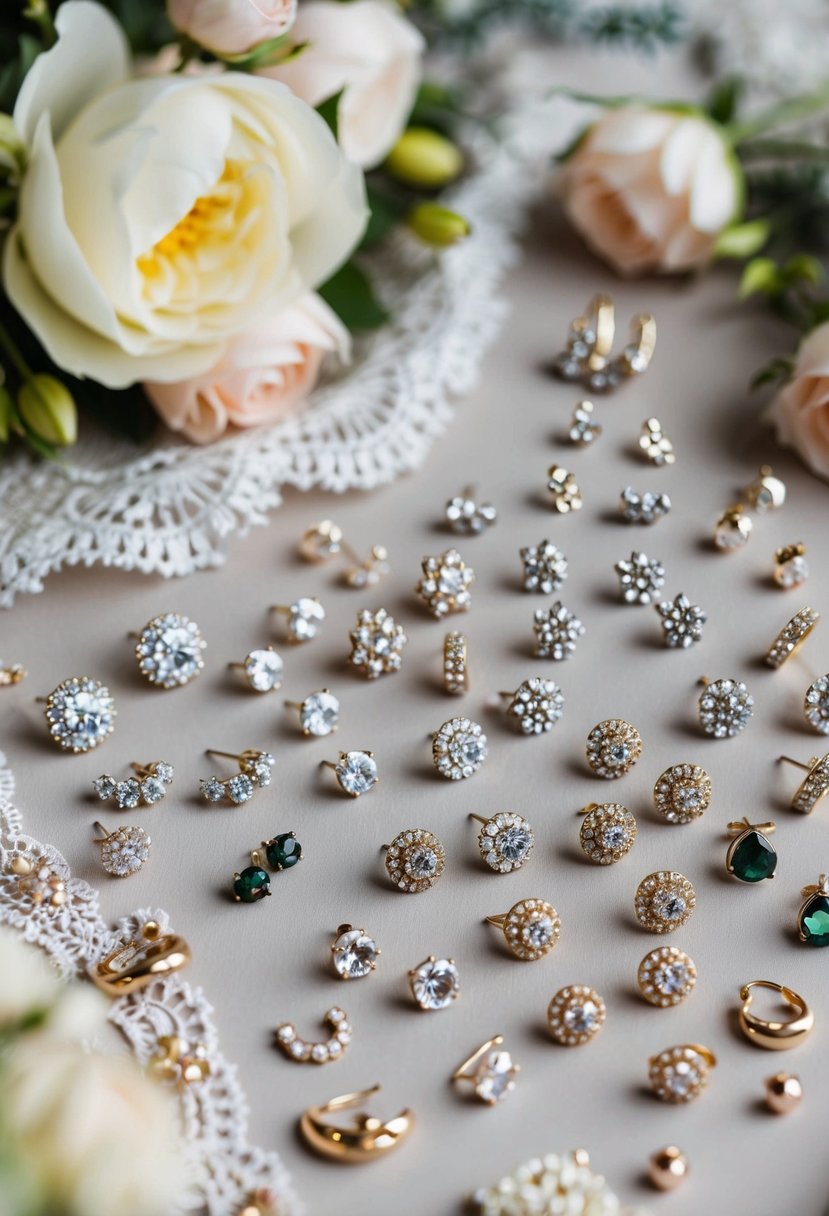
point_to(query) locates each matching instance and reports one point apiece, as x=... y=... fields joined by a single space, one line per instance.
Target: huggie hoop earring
x=366 y=1139
x=771 y=1034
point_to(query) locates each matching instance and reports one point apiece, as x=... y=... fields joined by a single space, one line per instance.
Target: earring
x=536 y=705
x=783 y=1093
x=564 y=490
x=490 y=1071
x=682 y=793
x=613 y=747
x=816 y=705
x=666 y=976
x=434 y=983
x=124 y=851
x=80 y=714
x=668 y=1168
x=444 y=587
x=377 y=643
x=556 y=630
x=545 y=567
x=766 y=492
x=751 y=856
x=733 y=529
x=814 y=786
x=455 y=665
x=319 y=713
x=640 y=578
x=813 y=914
x=583 y=428
x=263 y=669
x=459 y=748
x=254 y=772
x=325 y=540
x=725 y=707
x=415 y=860
x=636 y=356
x=790 y=566
x=680 y=1074
x=791 y=637
x=11 y=673
x=149 y=785
x=644 y=508
x=296 y=1048
x=354 y=953
x=303 y=618
x=505 y=841
x=774 y=1035
x=589 y=341
x=168 y=650
x=575 y=1014
x=254 y=883
x=179 y=1062
x=366 y=1139
x=655 y=445
x=134 y=964
x=468 y=517
x=356 y=772
x=607 y=833
x=681 y=622
x=531 y=928
x=35 y=879
x=664 y=901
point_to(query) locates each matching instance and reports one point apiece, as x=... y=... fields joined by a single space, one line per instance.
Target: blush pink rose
x=231 y=27
x=652 y=189
x=800 y=411
x=263 y=377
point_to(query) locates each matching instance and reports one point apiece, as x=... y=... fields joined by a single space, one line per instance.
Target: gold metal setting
x=666 y=976
x=742 y=830
x=531 y=928
x=12 y=673
x=136 y=963
x=770 y=1033
x=444 y=587
x=791 y=637
x=325 y=540
x=564 y=490
x=682 y=793
x=366 y=1138
x=680 y=1074
x=607 y=833
x=455 y=664
x=575 y=1015
x=415 y=860
x=434 y=983
x=664 y=901
x=814 y=786
x=790 y=566
x=766 y=492
x=489 y=1070
x=613 y=747
x=505 y=841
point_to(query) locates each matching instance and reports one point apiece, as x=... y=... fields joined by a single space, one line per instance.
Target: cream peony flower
x=652 y=189
x=263 y=376
x=372 y=53
x=800 y=411
x=160 y=217
x=231 y=27
x=29 y=983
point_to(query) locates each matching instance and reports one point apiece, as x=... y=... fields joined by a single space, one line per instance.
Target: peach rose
x=263 y=376
x=231 y=27
x=652 y=189
x=800 y=411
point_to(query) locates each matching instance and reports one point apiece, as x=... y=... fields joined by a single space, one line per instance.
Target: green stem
x=791 y=110
x=781 y=149
x=38 y=12
x=8 y=345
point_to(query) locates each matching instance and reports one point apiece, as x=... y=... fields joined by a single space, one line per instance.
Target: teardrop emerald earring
x=751 y=856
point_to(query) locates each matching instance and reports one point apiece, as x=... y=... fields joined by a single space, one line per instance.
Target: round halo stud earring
x=772 y=1034
x=813 y=914
x=434 y=983
x=124 y=851
x=169 y=649
x=354 y=954
x=531 y=928
x=664 y=901
x=607 y=833
x=751 y=856
x=356 y=772
x=505 y=841
x=613 y=747
x=459 y=748
x=415 y=860
x=303 y=618
x=791 y=637
x=263 y=669
x=80 y=714
x=536 y=705
x=725 y=707
x=790 y=566
x=489 y=1070
x=680 y=1074
x=366 y=1139
x=319 y=713
x=666 y=976
x=783 y=1093
x=682 y=793
x=668 y=1168
x=575 y=1015
x=814 y=786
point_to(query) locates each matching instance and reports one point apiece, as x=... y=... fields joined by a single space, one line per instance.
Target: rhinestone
x=505 y=841
x=356 y=772
x=725 y=708
x=257 y=766
x=435 y=984
x=422 y=863
x=816 y=705
x=264 y=670
x=664 y=901
x=80 y=713
x=128 y=793
x=415 y=860
x=583 y=428
x=640 y=578
x=105 y=787
x=377 y=643
x=355 y=954
x=319 y=714
x=169 y=650
x=681 y=622
x=468 y=517
x=305 y=616
x=239 y=788
x=556 y=632
x=495 y=1077
x=545 y=567
x=613 y=747
x=165 y=772
x=459 y=748
x=444 y=587
x=608 y=832
x=645 y=508
x=792 y=636
x=791 y=568
x=153 y=790
x=537 y=704
x=213 y=789
x=682 y=793
x=125 y=851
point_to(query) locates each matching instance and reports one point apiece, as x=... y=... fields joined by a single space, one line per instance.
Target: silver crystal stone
x=355 y=954
x=670 y=978
x=581 y=1019
x=319 y=714
x=356 y=773
x=435 y=984
x=213 y=789
x=495 y=1076
x=128 y=793
x=545 y=567
x=153 y=790
x=421 y=862
x=105 y=786
x=239 y=788
x=305 y=616
x=264 y=670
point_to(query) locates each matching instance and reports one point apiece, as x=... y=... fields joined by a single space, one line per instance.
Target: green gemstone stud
x=283 y=851
x=252 y=884
x=751 y=856
x=813 y=917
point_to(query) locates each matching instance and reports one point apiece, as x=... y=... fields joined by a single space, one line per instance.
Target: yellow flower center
x=211 y=217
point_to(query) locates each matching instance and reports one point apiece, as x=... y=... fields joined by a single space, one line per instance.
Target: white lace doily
x=223 y=1166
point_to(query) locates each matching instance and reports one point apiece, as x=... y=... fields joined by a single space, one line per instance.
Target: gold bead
x=668 y=1168
x=783 y=1093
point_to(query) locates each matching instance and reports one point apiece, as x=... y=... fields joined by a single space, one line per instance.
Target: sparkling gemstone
x=356 y=773
x=581 y=1018
x=732 y=531
x=682 y=1078
x=816 y=705
x=305 y=616
x=128 y=793
x=319 y=714
x=459 y=748
x=435 y=984
x=514 y=843
x=264 y=670
x=792 y=571
x=615 y=836
x=355 y=954
x=668 y=906
x=495 y=1076
x=125 y=851
x=422 y=862
x=814 y=920
x=169 y=650
x=537 y=704
x=213 y=789
x=80 y=714
x=254 y=883
x=153 y=790
x=164 y=771
x=539 y=932
x=283 y=852
x=545 y=567
x=105 y=787
x=753 y=858
x=259 y=768
x=239 y=788
x=670 y=978
x=377 y=643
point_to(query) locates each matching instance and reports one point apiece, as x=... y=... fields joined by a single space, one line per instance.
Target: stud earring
x=80 y=714
x=415 y=860
x=254 y=772
x=816 y=705
x=325 y=540
x=607 y=833
x=505 y=841
x=545 y=567
x=564 y=490
x=169 y=649
x=356 y=772
x=791 y=637
x=39 y=884
x=668 y=1168
x=733 y=529
x=589 y=342
x=466 y=516
x=666 y=976
x=444 y=587
x=535 y=706
x=304 y=1052
x=583 y=427
x=655 y=445
x=816 y=783
x=531 y=928
x=134 y=964
x=575 y=1015
x=489 y=1070
x=613 y=747
x=681 y=622
x=282 y=852
x=11 y=673
x=813 y=914
x=455 y=664
x=459 y=748
x=179 y=1062
x=434 y=983
x=556 y=630
x=353 y=953
x=148 y=786
x=783 y=1093
x=641 y=578
x=377 y=643
x=367 y=1138
x=644 y=508
x=680 y=1074
x=751 y=856
x=725 y=707
x=124 y=851
x=263 y=669
x=319 y=713
x=766 y=492
x=636 y=357
x=303 y=618
x=772 y=1034
x=664 y=901
x=790 y=566
x=682 y=793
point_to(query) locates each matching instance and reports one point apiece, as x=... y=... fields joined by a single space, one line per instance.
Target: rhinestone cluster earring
x=148 y=786
x=254 y=773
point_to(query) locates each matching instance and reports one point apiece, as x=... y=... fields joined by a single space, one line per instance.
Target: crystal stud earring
x=666 y=976
x=254 y=772
x=682 y=793
x=613 y=747
x=655 y=445
x=169 y=650
x=466 y=516
x=505 y=841
x=80 y=714
x=557 y=630
x=377 y=643
x=733 y=529
x=681 y=622
x=354 y=953
x=531 y=928
x=489 y=1070
x=356 y=772
x=790 y=566
x=263 y=669
x=725 y=707
x=584 y=429
x=434 y=983
x=535 y=706
x=751 y=856
x=124 y=851
x=319 y=713
x=148 y=786
x=545 y=567
x=664 y=901
x=564 y=490
x=444 y=587
x=641 y=578
x=607 y=833
x=459 y=748
x=303 y=618
x=575 y=1015
x=415 y=860
x=644 y=508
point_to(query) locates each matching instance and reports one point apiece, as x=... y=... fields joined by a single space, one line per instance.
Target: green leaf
x=352 y=297
x=724 y=98
x=742 y=240
x=774 y=371
x=328 y=110
x=385 y=212
x=760 y=277
x=802 y=268
x=273 y=50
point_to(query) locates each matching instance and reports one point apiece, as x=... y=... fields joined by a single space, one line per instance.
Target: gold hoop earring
x=136 y=963
x=771 y=1034
x=366 y=1139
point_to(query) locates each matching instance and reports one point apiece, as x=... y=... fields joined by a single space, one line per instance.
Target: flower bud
x=6 y=413
x=48 y=408
x=12 y=149
x=423 y=158
x=436 y=225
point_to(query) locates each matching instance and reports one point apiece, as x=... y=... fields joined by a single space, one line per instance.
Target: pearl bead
x=783 y=1093
x=667 y=1168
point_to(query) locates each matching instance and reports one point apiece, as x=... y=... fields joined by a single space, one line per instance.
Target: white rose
x=29 y=983
x=160 y=217
x=652 y=189
x=231 y=27
x=371 y=53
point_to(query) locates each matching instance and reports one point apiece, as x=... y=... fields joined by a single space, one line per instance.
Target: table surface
x=267 y=963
